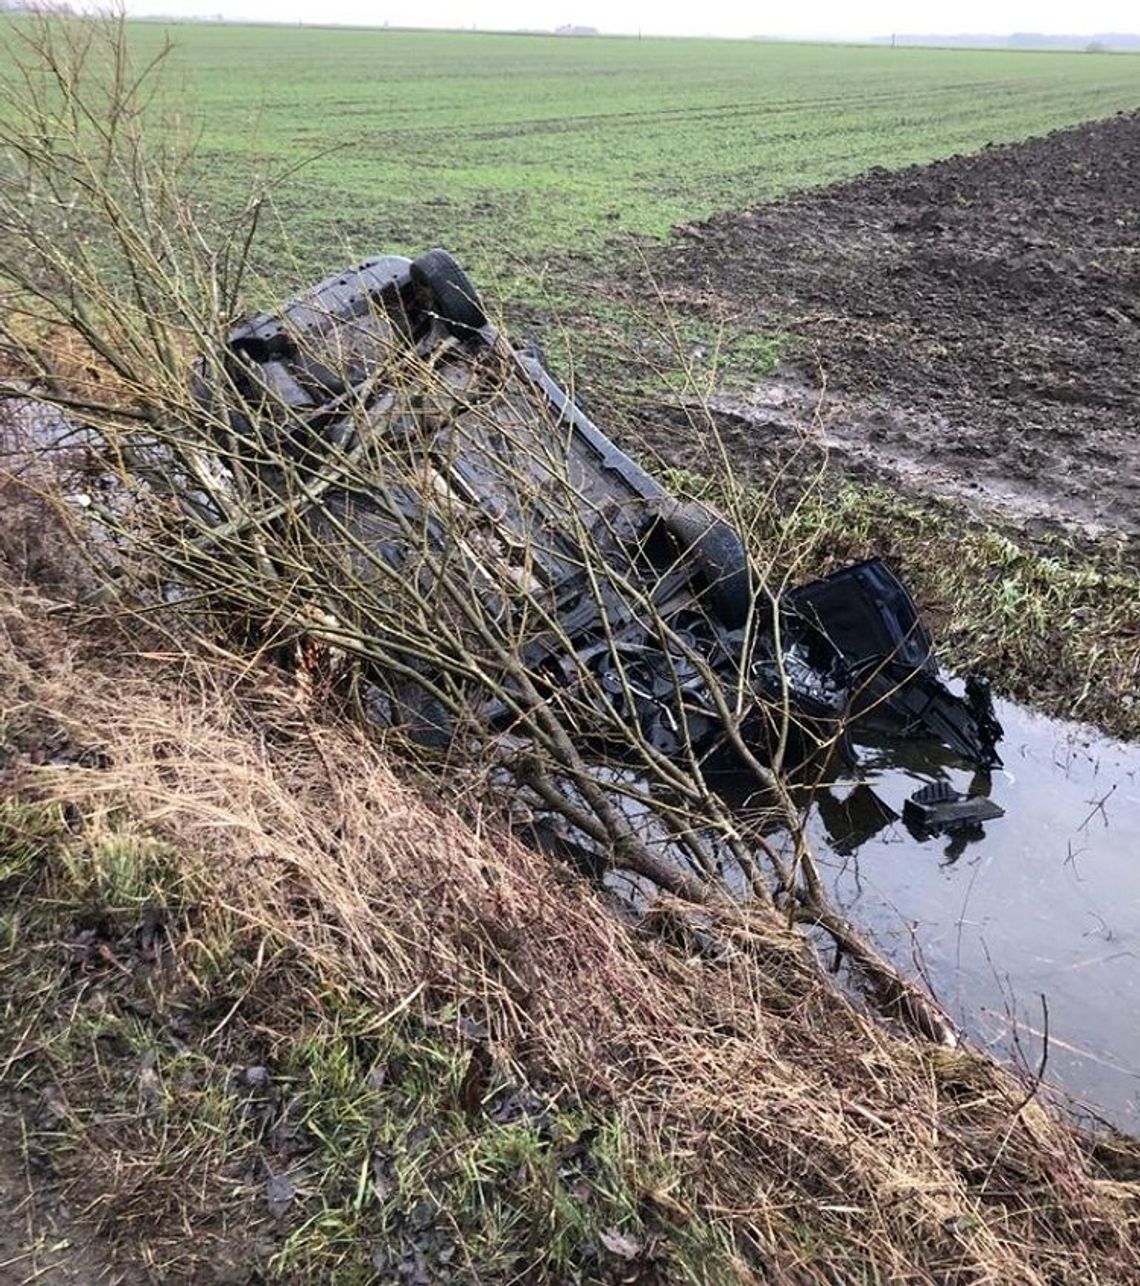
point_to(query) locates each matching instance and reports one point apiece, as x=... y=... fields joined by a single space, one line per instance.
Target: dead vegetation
x=263 y=1004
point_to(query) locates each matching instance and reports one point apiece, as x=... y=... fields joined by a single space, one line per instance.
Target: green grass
x=539 y=148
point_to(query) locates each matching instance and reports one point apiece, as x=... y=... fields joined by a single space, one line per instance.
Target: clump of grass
x=27 y=836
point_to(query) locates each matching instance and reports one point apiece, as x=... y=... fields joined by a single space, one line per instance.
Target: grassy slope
x=263 y=1008
x=503 y=146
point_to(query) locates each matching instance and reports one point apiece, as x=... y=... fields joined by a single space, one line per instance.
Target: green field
x=545 y=148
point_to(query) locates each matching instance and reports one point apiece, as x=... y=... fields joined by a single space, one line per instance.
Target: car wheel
x=453 y=296
x=720 y=557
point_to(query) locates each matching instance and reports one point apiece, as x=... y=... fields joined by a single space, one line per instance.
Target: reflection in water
x=851 y=820
x=1044 y=902
x=1009 y=919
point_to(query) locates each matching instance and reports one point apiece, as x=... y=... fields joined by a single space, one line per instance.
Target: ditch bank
x=272 y=1015
x=958 y=393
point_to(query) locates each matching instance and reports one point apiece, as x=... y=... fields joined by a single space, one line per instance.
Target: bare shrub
x=230 y=514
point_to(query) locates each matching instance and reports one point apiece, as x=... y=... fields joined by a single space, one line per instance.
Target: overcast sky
x=672 y=17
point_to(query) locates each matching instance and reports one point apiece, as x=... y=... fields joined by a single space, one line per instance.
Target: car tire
x=453 y=296
x=719 y=555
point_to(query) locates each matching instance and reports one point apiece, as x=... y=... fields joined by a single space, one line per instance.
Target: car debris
x=671 y=607
x=940 y=809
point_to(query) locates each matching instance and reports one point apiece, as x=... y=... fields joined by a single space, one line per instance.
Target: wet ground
x=1041 y=903
x=1026 y=927
x=41 y=1239
x=973 y=325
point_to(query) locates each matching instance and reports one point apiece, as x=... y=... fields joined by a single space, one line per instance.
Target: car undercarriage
x=402 y=434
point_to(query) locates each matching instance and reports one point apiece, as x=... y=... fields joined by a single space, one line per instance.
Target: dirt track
x=976 y=322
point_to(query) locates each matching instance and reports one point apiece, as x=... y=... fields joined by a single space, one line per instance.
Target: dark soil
x=41 y=1239
x=976 y=322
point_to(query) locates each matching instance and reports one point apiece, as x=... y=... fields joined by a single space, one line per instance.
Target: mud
x=41 y=1239
x=973 y=326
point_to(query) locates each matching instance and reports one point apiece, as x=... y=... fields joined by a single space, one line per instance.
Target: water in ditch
x=1027 y=923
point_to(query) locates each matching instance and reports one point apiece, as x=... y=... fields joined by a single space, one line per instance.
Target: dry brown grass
x=768 y=1125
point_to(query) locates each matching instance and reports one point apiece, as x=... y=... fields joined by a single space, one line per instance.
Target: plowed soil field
x=970 y=327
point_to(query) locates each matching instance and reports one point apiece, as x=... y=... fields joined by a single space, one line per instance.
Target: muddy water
x=1043 y=902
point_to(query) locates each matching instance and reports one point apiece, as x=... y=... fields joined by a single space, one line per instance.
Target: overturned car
x=492 y=555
